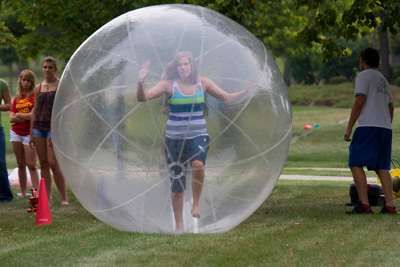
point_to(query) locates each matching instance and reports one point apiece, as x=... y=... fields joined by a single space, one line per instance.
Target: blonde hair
x=171 y=71
x=29 y=75
x=51 y=60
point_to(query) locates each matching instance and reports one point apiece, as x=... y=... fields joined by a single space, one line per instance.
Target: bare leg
x=387 y=186
x=41 y=149
x=18 y=148
x=360 y=180
x=57 y=174
x=177 y=205
x=30 y=158
x=197 y=186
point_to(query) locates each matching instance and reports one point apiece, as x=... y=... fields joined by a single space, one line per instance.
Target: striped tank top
x=186 y=114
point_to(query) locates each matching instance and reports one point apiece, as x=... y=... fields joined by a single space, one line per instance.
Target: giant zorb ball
x=110 y=147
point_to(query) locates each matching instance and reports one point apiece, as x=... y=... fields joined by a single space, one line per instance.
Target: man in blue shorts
x=371 y=144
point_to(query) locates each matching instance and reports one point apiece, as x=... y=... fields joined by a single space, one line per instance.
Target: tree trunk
x=384 y=49
x=286 y=72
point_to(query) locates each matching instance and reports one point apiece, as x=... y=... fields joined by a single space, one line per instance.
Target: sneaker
x=64 y=203
x=361 y=209
x=388 y=210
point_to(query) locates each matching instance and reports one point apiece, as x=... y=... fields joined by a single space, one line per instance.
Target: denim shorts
x=371 y=147
x=179 y=154
x=41 y=133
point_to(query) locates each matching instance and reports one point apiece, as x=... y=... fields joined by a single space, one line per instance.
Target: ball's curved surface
x=110 y=147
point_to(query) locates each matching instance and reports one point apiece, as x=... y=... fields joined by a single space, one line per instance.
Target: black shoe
x=361 y=209
x=388 y=210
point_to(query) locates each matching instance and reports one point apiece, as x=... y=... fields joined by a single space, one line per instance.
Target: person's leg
x=197 y=186
x=177 y=177
x=41 y=149
x=361 y=153
x=197 y=153
x=387 y=186
x=57 y=174
x=30 y=158
x=177 y=206
x=360 y=180
x=384 y=164
x=5 y=190
x=18 y=149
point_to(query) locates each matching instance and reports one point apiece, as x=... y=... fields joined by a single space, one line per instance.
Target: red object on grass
x=43 y=213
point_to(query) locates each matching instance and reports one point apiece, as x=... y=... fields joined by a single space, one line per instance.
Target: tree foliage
x=290 y=28
x=349 y=19
x=58 y=27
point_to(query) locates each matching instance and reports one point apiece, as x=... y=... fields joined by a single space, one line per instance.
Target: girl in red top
x=20 y=118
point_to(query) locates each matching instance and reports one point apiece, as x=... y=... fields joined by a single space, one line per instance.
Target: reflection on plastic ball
x=111 y=147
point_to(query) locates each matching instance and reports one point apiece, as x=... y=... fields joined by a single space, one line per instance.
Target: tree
x=61 y=26
x=357 y=18
x=288 y=27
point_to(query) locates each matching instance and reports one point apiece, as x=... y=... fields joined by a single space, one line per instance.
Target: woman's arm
x=213 y=89
x=5 y=96
x=154 y=92
x=24 y=116
x=36 y=93
x=13 y=117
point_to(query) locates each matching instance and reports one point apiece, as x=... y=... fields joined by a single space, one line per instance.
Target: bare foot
x=179 y=231
x=196 y=212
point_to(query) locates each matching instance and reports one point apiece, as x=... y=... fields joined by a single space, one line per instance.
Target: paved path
x=317 y=169
x=13 y=176
x=321 y=178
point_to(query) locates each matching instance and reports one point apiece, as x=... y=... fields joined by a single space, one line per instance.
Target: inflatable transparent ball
x=111 y=147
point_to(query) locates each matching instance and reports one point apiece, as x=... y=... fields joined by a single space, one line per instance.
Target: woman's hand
x=144 y=70
x=14 y=119
x=242 y=94
x=32 y=143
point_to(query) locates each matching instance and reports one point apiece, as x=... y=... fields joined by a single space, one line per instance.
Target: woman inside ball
x=186 y=135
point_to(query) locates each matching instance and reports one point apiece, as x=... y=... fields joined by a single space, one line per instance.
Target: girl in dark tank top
x=41 y=128
x=44 y=104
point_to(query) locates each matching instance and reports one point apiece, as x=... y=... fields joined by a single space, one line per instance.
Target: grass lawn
x=301 y=224
x=325 y=147
x=326 y=105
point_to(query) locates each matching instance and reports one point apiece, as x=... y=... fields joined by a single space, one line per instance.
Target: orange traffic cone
x=43 y=214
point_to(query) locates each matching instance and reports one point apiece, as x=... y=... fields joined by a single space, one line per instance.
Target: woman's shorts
x=371 y=147
x=24 y=139
x=41 y=133
x=181 y=152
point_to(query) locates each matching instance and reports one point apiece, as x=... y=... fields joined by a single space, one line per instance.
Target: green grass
x=328 y=95
x=301 y=224
x=325 y=147
x=321 y=172
x=322 y=147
